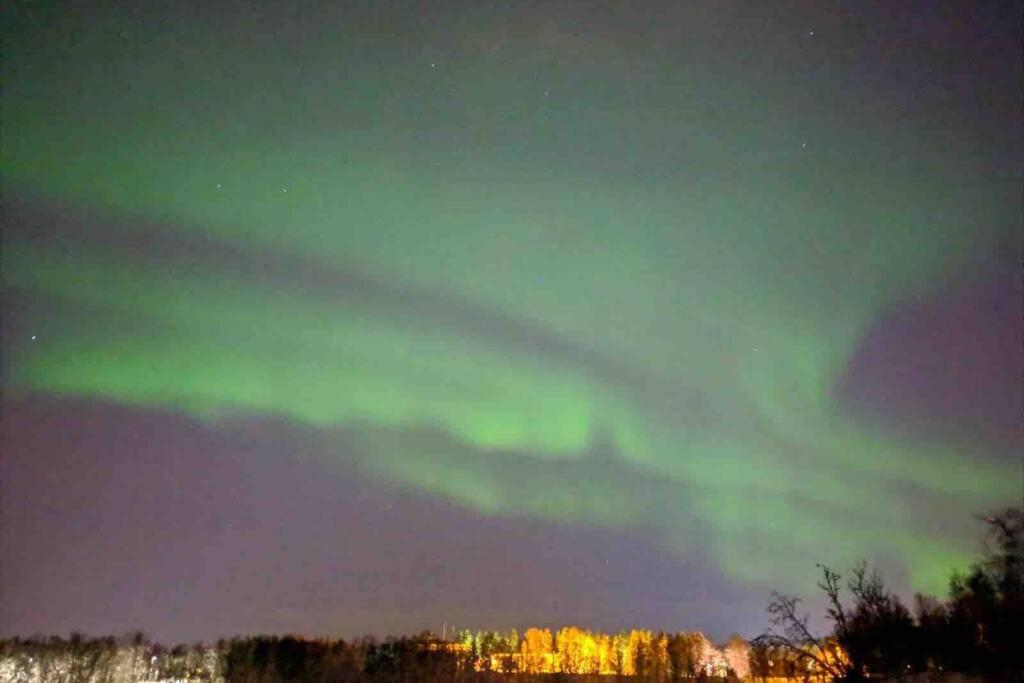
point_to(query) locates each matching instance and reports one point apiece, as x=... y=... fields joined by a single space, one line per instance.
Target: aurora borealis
x=724 y=290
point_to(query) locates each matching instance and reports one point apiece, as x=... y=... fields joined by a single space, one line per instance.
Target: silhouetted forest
x=977 y=631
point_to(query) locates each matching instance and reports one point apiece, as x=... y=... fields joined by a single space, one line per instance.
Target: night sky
x=366 y=318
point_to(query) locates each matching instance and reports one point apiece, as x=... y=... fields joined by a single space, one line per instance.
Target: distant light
x=811 y=33
x=33 y=337
x=433 y=65
x=803 y=144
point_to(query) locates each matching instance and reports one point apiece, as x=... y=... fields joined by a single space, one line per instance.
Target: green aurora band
x=684 y=277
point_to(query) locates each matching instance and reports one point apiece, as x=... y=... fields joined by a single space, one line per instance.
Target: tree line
x=975 y=631
x=481 y=656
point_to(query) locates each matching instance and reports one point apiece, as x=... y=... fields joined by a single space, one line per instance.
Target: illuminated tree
x=620 y=659
x=510 y=646
x=683 y=651
x=537 y=649
x=605 y=653
x=737 y=654
x=487 y=643
x=577 y=651
x=569 y=646
x=640 y=650
x=657 y=662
